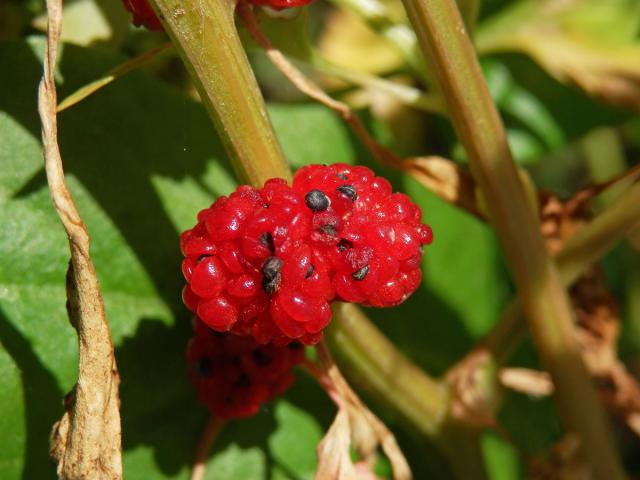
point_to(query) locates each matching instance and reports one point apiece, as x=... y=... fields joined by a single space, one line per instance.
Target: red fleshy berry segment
x=371 y=237
x=143 y=14
x=267 y=262
x=245 y=250
x=234 y=375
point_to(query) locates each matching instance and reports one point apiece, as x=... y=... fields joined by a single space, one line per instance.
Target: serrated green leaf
x=141 y=160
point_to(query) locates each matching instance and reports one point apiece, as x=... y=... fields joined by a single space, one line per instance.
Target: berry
x=371 y=237
x=143 y=14
x=235 y=375
x=267 y=262
x=250 y=270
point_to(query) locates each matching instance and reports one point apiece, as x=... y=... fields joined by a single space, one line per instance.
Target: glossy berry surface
x=267 y=262
x=372 y=238
x=234 y=376
x=143 y=14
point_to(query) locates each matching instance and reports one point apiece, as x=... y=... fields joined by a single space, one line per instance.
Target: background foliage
x=141 y=160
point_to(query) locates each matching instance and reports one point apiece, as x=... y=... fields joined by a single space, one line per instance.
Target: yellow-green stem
x=447 y=48
x=377 y=367
x=587 y=246
x=205 y=35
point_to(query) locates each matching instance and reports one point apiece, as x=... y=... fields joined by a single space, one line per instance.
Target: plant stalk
x=377 y=367
x=447 y=48
x=205 y=35
x=587 y=246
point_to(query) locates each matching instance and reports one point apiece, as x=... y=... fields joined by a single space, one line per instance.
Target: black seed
x=360 y=274
x=341 y=175
x=329 y=230
x=348 y=191
x=204 y=367
x=309 y=271
x=316 y=200
x=271 y=274
x=295 y=346
x=266 y=239
x=344 y=244
x=261 y=358
x=243 y=380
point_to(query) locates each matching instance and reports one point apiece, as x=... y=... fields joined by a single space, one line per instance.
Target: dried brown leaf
x=525 y=380
x=355 y=425
x=443 y=177
x=334 y=460
x=561 y=462
x=472 y=382
x=86 y=442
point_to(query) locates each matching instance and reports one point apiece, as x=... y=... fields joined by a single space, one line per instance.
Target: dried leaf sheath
x=86 y=442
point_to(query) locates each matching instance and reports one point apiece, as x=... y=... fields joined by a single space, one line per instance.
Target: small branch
x=447 y=180
x=587 y=246
x=309 y=87
x=205 y=35
x=113 y=74
x=527 y=381
x=210 y=433
x=86 y=442
x=446 y=46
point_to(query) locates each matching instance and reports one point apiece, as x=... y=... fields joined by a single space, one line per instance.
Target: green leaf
x=141 y=160
x=589 y=43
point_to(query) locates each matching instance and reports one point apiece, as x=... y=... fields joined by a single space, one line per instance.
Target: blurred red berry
x=143 y=14
x=234 y=376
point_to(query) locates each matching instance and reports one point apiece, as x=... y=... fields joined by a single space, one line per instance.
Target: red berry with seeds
x=267 y=262
x=371 y=237
x=250 y=268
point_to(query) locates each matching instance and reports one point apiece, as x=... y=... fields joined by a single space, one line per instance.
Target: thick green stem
x=443 y=39
x=205 y=35
x=372 y=362
x=587 y=246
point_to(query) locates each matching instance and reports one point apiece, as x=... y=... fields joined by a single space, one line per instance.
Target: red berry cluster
x=267 y=262
x=235 y=375
x=143 y=14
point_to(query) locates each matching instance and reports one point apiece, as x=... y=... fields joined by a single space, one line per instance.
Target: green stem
x=587 y=246
x=205 y=35
x=377 y=367
x=371 y=362
x=443 y=39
